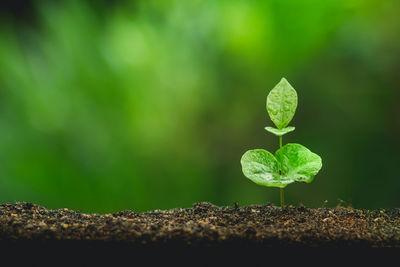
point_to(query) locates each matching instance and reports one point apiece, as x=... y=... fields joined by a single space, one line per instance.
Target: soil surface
x=204 y=225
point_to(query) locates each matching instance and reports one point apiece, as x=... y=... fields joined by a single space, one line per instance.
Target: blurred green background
x=140 y=105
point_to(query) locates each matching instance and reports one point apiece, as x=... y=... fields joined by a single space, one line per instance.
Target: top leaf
x=282 y=103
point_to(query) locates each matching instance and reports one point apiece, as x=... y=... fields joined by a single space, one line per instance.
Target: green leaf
x=261 y=167
x=282 y=103
x=280 y=132
x=298 y=163
x=291 y=163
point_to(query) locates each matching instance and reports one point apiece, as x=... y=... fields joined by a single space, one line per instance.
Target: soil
x=202 y=226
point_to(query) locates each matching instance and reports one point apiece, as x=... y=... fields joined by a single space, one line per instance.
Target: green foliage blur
x=141 y=105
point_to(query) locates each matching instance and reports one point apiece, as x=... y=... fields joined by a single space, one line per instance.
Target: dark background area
x=112 y=105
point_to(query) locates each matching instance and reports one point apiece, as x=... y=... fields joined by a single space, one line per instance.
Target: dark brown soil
x=204 y=225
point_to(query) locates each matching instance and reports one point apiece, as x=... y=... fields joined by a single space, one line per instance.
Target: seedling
x=291 y=162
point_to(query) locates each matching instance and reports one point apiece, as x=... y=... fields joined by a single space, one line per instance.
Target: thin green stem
x=282 y=193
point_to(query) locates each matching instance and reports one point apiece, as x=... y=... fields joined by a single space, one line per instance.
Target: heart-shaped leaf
x=280 y=132
x=298 y=162
x=291 y=163
x=261 y=167
x=282 y=103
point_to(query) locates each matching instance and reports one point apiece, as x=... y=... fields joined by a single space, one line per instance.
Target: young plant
x=291 y=162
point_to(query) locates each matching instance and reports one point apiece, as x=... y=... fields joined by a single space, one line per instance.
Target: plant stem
x=282 y=193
